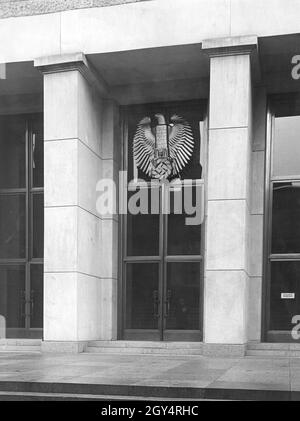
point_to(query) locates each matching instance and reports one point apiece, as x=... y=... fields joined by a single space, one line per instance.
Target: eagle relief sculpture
x=161 y=151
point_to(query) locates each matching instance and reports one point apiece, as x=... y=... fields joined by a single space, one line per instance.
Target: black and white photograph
x=149 y=204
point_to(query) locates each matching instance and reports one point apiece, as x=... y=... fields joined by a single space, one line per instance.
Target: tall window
x=21 y=225
x=283 y=268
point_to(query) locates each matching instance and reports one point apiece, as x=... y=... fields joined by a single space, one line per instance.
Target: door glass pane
x=182 y=297
x=13 y=152
x=183 y=239
x=38 y=152
x=12 y=226
x=142 y=296
x=286 y=146
x=285 y=294
x=36 y=296
x=38 y=225
x=286 y=218
x=143 y=230
x=12 y=298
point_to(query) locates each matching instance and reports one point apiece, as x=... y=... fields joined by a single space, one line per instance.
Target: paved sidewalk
x=157 y=375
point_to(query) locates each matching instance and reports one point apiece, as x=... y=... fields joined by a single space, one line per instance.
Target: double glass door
x=162 y=276
x=162 y=263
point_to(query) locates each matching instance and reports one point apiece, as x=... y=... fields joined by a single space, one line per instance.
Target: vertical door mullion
x=28 y=229
x=27 y=296
x=30 y=193
x=165 y=218
x=165 y=251
x=161 y=263
x=27 y=190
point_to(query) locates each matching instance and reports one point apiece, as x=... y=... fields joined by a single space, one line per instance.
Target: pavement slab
x=189 y=376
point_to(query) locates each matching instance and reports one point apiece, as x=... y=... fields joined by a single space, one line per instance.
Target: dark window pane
x=183 y=239
x=183 y=296
x=38 y=225
x=12 y=298
x=286 y=218
x=36 y=296
x=12 y=226
x=143 y=231
x=12 y=152
x=38 y=152
x=286 y=146
x=285 y=279
x=142 y=289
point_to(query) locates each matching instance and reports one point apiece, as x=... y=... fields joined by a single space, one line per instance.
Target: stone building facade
x=74 y=85
x=13 y=8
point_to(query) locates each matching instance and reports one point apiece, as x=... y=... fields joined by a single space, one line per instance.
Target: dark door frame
x=266 y=334
x=162 y=259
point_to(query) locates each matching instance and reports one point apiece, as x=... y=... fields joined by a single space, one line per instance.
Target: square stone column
x=228 y=211
x=80 y=270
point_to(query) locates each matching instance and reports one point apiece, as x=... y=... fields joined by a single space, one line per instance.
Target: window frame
x=270 y=179
x=29 y=191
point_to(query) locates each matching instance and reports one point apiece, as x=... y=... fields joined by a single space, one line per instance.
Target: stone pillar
x=257 y=214
x=228 y=211
x=80 y=271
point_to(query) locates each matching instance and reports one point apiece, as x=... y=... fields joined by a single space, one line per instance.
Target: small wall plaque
x=287 y=295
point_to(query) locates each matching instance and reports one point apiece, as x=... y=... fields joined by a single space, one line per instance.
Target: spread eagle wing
x=181 y=143
x=143 y=145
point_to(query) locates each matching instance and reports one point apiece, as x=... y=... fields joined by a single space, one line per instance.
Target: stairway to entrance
x=145 y=347
x=254 y=349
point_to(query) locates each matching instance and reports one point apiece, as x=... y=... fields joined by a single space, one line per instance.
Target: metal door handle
x=22 y=305
x=33 y=150
x=155 y=304
x=168 y=303
x=31 y=301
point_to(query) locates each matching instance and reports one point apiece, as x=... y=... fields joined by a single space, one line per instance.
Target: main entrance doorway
x=162 y=260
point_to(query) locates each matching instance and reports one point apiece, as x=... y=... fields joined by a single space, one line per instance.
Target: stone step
x=143 y=350
x=273 y=346
x=272 y=353
x=146 y=344
x=9 y=348
x=145 y=347
x=20 y=345
x=20 y=342
x=273 y=349
x=20 y=390
x=27 y=396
